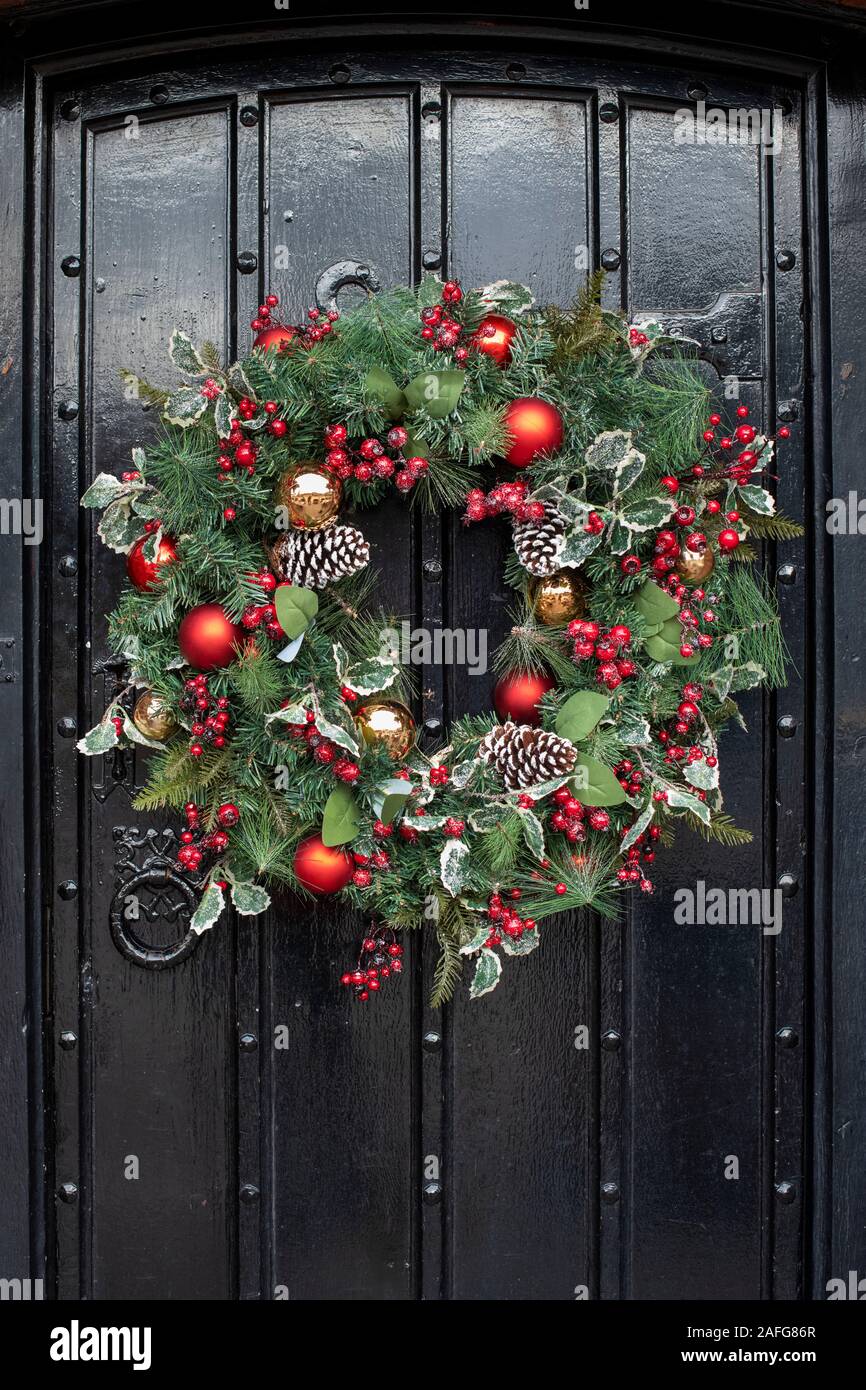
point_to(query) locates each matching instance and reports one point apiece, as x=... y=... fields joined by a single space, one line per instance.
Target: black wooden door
x=287 y=1144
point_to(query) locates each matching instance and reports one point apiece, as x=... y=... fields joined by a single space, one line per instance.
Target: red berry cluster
x=729 y=457
x=210 y=714
x=380 y=859
x=211 y=389
x=371 y=462
x=636 y=338
x=320 y=325
x=195 y=843
x=378 y=959
x=263 y=615
x=506 y=920
x=323 y=749
x=607 y=645
x=630 y=777
x=505 y=497
x=440 y=328
x=572 y=819
x=687 y=713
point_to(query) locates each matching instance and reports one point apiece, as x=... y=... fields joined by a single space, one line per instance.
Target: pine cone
x=315 y=559
x=524 y=756
x=538 y=543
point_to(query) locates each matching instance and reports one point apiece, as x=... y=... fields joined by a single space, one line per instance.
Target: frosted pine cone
x=524 y=756
x=539 y=543
x=315 y=559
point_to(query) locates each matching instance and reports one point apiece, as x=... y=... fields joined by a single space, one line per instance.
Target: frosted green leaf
x=185 y=406
x=453 y=865
x=487 y=972
x=209 y=909
x=183 y=354
x=249 y=899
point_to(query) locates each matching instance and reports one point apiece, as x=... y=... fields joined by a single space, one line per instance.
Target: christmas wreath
x=278 y=715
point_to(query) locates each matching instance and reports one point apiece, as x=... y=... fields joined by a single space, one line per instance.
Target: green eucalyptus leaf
x=296 y=608
x=580 y=714
x=435 y=393
x=594 y=784
x=342 y=819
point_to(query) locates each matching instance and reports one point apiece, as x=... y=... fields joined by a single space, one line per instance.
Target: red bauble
x=278 y=338
x=517 y=695
x=493 y=336
x=143 y=572
x=321 y=869
x=535 y=427
x=207 y=638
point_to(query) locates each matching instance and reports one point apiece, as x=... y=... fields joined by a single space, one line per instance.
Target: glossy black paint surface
x=495 y=1159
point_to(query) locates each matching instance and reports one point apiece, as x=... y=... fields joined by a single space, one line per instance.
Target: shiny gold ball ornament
x=152 y=717
x=387 y=723
x=692 y=567
x=559 y=597
x=311 y=496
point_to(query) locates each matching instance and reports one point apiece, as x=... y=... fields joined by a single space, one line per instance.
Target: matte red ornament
x=494 y=336
x=278 y=338
x=144 y=573
x=320 y=868
x=206 y=637
x=535 y=427
x=517 y=695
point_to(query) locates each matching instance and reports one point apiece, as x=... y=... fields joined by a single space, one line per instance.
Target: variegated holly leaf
x=292 y=714
x=185 y=406
x=463 y=773
x=700 y=775
x=639 y=826
x=249 y=899
x=747 y=676
x=627 y=471
x=570 y=507
x=508 y=297
x=634 y=731
x=487 y=817
x=102 y=737
x=119 y=527
x=453 y=865
x=579 y=545
x=339 y=734
x=619 y=537
x=136 y=736
x=240 y=382
x=487 y=972
x=224 y=415
x=183 y=354
x=104 y=489
x=533 y=831
x=369 y=677
x=680 y=800
x=476 y=940
x=609 y=450
x=758 y=498
x=521 y=945
x=209 y=910
x=646 y=515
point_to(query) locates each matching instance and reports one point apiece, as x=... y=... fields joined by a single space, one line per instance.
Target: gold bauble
x=559 y=597
x=693 y=566
x=152 y=717
x=389 y=724
x=311 y=496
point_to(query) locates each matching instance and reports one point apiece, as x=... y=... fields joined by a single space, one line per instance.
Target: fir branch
x=720 y=828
